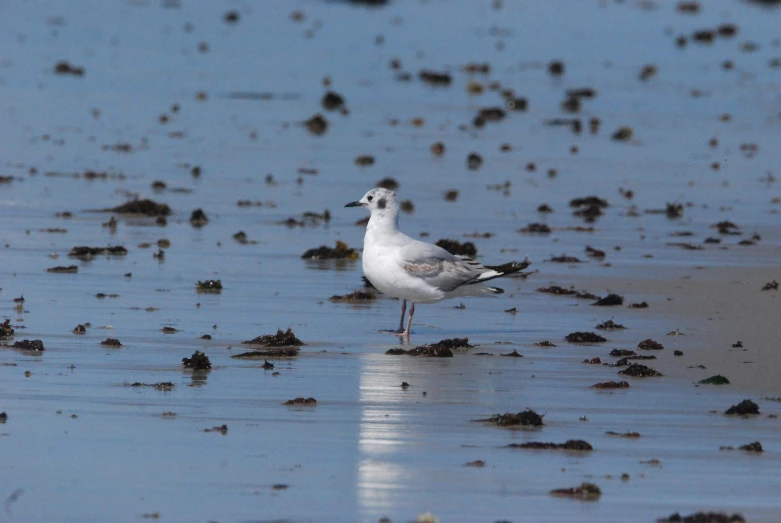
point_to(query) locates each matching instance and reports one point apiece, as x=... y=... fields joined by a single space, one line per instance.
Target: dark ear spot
x=381 y=203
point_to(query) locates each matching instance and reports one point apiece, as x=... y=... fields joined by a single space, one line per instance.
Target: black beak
x=354 y=204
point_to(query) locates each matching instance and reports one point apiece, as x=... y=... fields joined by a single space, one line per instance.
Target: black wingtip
x=509 y=268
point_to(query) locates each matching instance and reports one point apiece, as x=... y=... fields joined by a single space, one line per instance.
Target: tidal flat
x=185 y=334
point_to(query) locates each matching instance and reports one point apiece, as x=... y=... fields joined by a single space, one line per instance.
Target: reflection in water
x=380 y=435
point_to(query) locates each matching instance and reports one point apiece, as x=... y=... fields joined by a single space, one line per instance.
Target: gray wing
x=438 y=267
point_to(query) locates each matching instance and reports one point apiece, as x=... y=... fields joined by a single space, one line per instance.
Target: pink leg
x=409 y=323
x=403 y=310
x=400 y=330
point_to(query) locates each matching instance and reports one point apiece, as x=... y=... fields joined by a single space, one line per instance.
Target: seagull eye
x=370 y=198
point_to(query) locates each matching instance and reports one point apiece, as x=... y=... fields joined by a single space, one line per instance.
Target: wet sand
x=704 y=311
x=642 y=130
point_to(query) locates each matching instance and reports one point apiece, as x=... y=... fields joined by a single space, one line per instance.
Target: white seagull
x=412 y=270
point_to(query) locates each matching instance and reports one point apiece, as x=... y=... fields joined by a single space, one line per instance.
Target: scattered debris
x=594 y=253
x=358 y=295
x=755 y=446
x=66 y=68
x=570 y=444
x=513 y=354
x=474 y=161
x=435 y=78
x=718 y=379
x=316 y=125
x=535 y=228
x=527 y=418
x=457 y=248
x=163 y=385
x=332 y=101
x=610 y=325
x=89 y=252
x=650 y=344
x=641 y=305
x=198 y=218
x=585 y=492
x=703 y=517
x=209 y=286
x=609 y=300
x=478 y=463
x=545 y=343
x=630 y=435
x=621 y=353
x=34 y=345
x=611 y=385
x=639 y=371
x=623 y=134
x=771 y=286
x=555 y=289
x=143 y=207
x=340 y=252
x=5 y=329
x=70 y=269
x=584 y=337
x=222 y=429
x=310 y=402
x=280 y=339
x=198 y=361
x=744 y=408
x=564 y=259
x=288 y=352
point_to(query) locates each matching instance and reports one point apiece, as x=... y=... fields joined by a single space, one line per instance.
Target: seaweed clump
x=650 y=344
x=211 y=286
x=358 y=295
x=6 y=329
x=718 y=379
x=610 y=325
x=585 y=337
x=457 y=248
x=609 y=300
x=703 y=517
x=302 y=401
x=340 y=252
x=280 y=339
x=744 y=408
x=585 y=491
x=144 y=207
x=640 y=371
x=570 y=444
x=441 y=349
x=34 y=345
x=611 y=385
x=89 y=252
x=527 y=418
x=198 y=361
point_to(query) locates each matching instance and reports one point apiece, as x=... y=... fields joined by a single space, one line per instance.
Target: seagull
x=417 y=271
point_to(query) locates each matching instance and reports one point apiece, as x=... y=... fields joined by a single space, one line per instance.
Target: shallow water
x=368 y=449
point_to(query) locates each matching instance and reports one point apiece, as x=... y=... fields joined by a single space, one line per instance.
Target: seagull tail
x=497 y=271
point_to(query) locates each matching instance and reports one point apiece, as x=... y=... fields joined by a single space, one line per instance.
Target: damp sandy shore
x=704 y=311
x=494 y=120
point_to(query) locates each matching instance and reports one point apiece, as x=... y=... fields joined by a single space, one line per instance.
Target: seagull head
x=378 y=201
